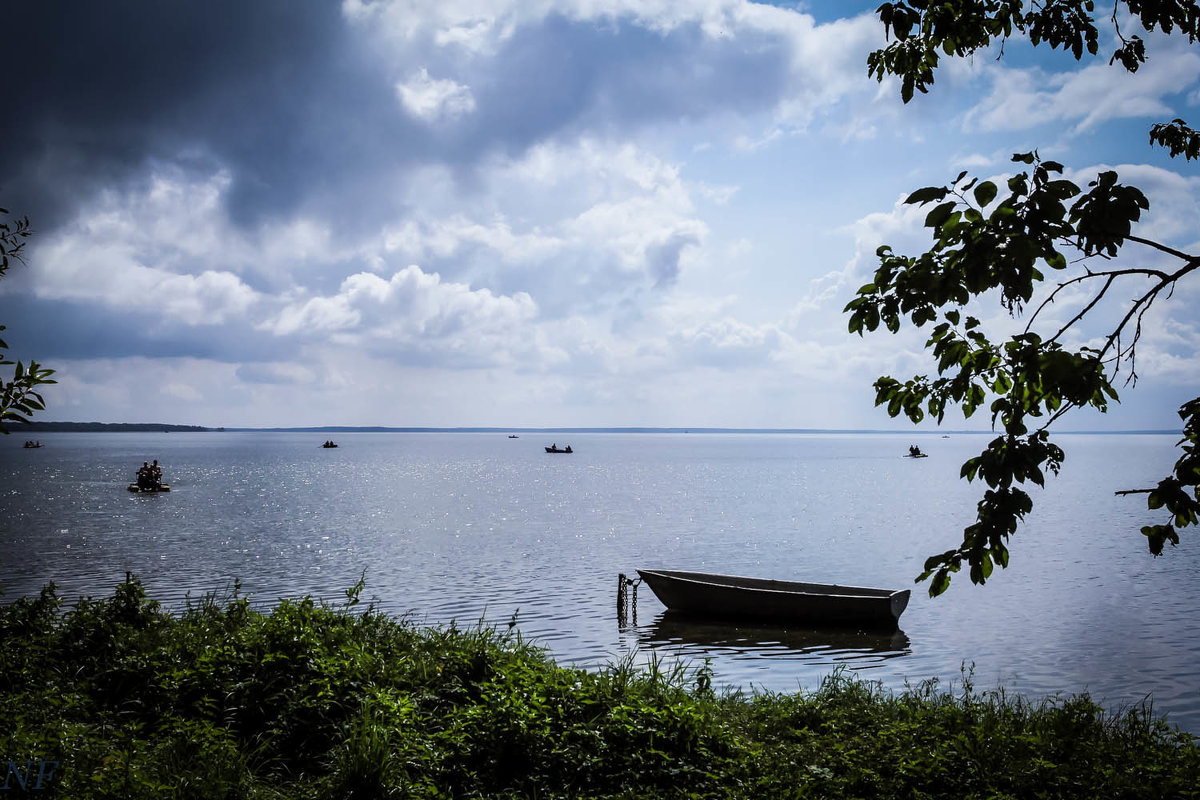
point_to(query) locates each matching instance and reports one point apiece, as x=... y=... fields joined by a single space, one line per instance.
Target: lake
x=466 y=527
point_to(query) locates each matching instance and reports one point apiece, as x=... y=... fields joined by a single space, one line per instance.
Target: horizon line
x=639 y=429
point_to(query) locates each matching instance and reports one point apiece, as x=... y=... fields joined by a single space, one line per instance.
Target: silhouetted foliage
x=19 y=397
x=1004 y=241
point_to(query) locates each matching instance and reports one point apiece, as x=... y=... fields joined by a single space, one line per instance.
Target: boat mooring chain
x=623 y=584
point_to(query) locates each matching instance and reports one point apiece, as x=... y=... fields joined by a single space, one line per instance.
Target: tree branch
x=1182 y=256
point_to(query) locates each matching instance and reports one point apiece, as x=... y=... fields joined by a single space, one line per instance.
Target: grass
x=309 y=700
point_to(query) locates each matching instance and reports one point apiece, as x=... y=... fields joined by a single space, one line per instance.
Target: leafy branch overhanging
x=19 y=397
x=983 y=245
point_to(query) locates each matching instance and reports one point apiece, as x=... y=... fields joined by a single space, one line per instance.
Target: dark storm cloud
x=299 y=108
x=581 y=76
x=49 y=330
x=97 y=90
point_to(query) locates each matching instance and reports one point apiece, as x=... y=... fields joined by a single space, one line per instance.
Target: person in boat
x=155 y=474
x=913 y=450
x=143 y=476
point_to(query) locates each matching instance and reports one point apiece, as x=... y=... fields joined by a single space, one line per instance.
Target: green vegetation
x=1004 y=242
x=19 y=397
x=314 y=701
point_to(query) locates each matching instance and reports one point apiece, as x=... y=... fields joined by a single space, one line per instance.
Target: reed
x=311 y=700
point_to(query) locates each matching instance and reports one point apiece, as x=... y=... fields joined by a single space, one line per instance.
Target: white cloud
x=432 y=99
x=588 y=223
x=146 y=251
x=413 y=312
x=446 y=237
x=1087 y=97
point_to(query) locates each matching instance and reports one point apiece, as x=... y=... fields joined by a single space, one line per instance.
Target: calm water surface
x=463 y=527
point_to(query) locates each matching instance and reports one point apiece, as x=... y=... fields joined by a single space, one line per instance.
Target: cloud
x=431 y=99
x=726 y=343
x=302 y=108
x=1025 y=98
x=544 y=211
x=257 y=89
x=580 y=226
x=415 y=315
x=147 y=251
x=283 y=374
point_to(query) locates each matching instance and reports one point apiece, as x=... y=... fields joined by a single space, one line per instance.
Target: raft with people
x=149 y=479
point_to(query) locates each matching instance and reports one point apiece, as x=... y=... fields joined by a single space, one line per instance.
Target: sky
x=523 y=213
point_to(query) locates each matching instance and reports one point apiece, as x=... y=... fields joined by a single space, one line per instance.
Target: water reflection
x=680 y=635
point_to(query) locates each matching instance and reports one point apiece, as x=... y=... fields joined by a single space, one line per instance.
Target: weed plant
x=310 y=700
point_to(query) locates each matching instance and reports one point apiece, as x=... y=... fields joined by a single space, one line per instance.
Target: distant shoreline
x=150 y=427
x=105 y=427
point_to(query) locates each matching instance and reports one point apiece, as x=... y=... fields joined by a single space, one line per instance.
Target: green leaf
x=939 y=214
x=925 y=195
x=985 y=193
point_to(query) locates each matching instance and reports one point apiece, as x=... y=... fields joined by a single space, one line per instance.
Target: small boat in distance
x=814 y=604
x=513 y=436
x=329 y=444
x=32 y=445
x=915 y=452
x=554 y=448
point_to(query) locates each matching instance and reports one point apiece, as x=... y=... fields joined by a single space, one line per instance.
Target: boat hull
x=162 y=487
x=817 y=604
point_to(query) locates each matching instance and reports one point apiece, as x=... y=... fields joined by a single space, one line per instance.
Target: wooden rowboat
x=817 y=604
